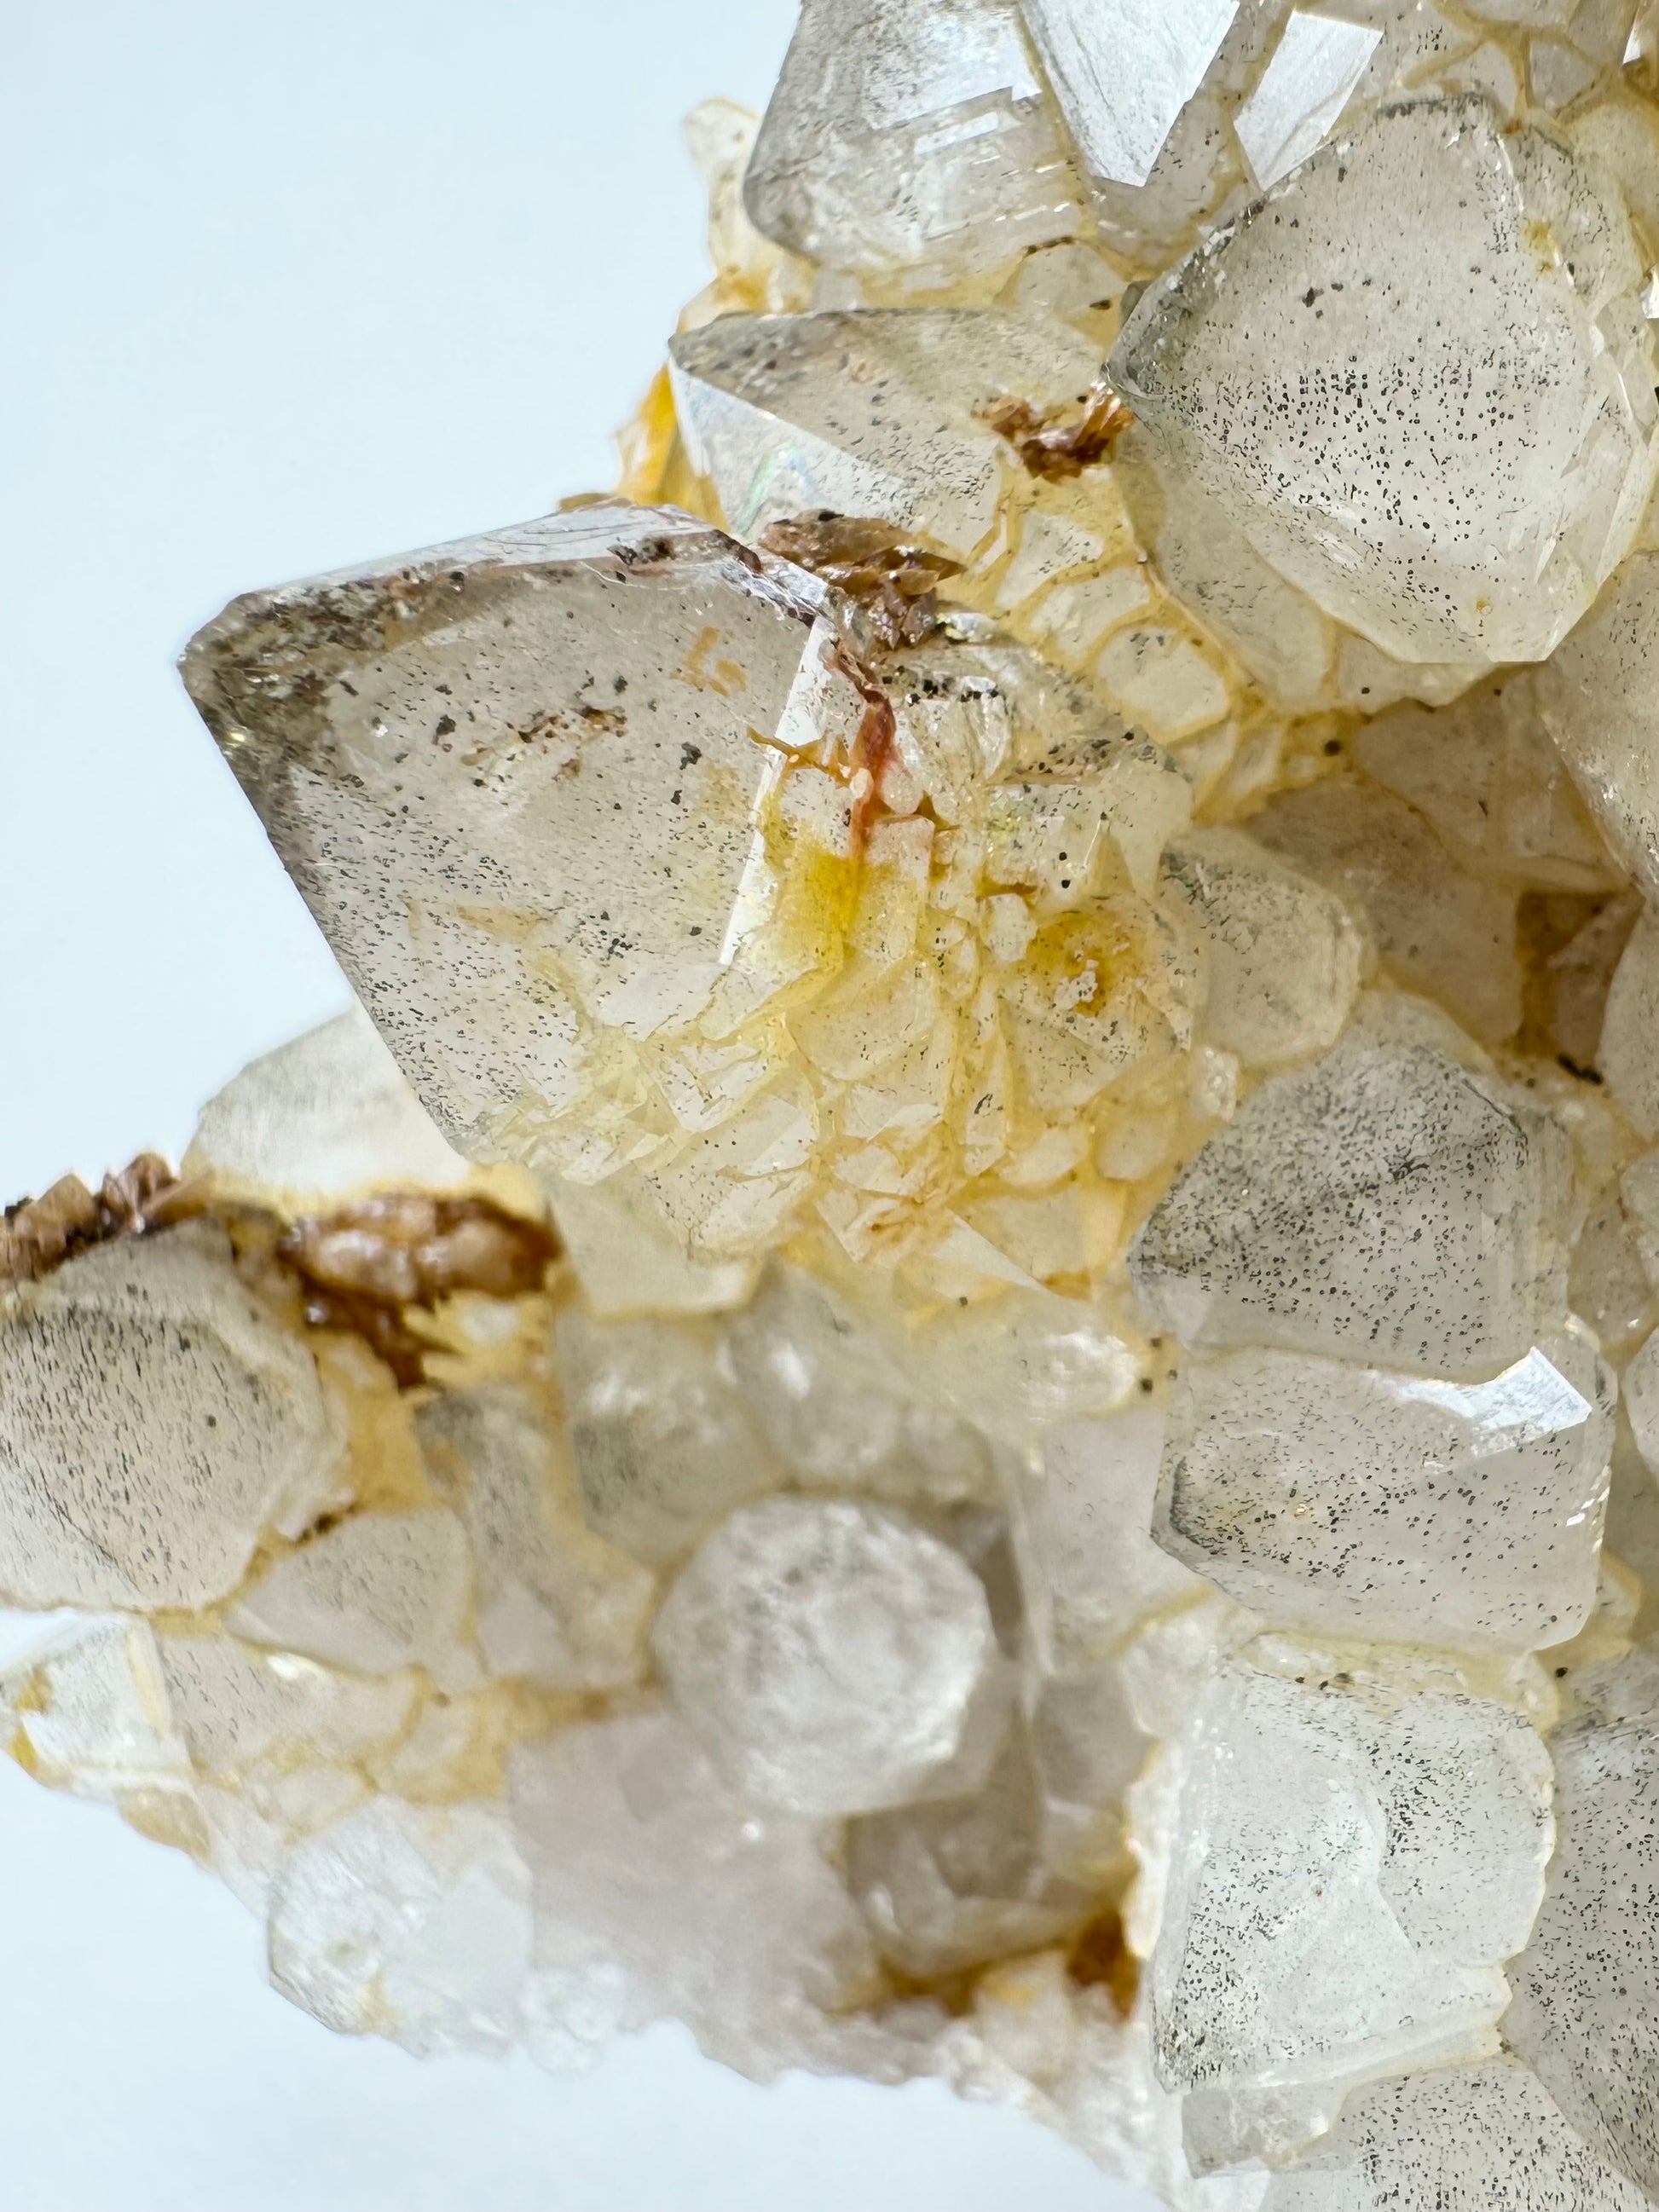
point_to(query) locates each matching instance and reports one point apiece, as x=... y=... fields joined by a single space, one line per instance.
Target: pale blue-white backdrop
x=286 y=287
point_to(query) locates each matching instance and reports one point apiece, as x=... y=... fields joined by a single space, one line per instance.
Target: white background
x=286 y=287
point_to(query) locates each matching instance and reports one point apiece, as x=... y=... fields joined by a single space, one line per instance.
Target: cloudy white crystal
x=154 y=1419
x=664 y=1444
x=329 y=1116
x=1386 y=1203
x=377 y=1592
x=1355 y=1502
x=1284 y=955
x=555 y=1604
x=1255 y=364
x=837 y=1605
x=662 y=1894
x=834 y=1658
x=407 y=1917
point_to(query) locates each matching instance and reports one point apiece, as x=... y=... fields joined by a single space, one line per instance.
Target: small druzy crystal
x=954 y=1372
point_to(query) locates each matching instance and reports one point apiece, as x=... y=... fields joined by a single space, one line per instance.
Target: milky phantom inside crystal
x=953 y=1371
x=154 y=1420
x=1449 y=446
x=1353 y=1867
x=834 y=1657
x=1351 y=1500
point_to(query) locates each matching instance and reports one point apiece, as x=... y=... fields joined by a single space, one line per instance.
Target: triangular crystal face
x=519 y=781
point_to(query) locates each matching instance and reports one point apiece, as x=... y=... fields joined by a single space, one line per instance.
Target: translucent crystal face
x=1252 y=364
x=1351 y=1500
x=956 y=1373
x=1387 y=1204
x=1310 y=1928
x=911 y=136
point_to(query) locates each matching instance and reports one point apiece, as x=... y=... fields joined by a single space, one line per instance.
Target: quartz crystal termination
x=956 y=1372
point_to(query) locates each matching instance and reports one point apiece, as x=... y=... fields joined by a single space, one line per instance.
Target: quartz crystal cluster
x=951 y=1374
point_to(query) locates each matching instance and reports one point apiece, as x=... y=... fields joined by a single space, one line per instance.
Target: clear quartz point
x=953 y=1371
x=912 y=141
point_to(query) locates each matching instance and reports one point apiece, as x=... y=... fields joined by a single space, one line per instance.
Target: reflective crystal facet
x=377 y=1592
x=1316 y=68
x=1359 y=1503
x=664 y=1445
x=1123 y=74
x=911 y=138
x=1532 y=385
x=322 y=1119
x=407 y=1918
